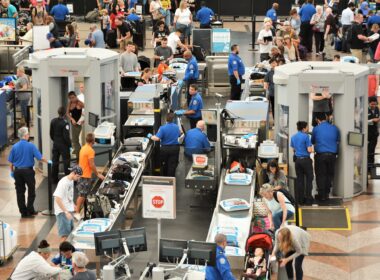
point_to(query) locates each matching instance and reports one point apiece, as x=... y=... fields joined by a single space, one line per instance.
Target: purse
x=259 y=208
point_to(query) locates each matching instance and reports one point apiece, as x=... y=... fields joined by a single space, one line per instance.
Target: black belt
x=328 y=154
x=302 y=157
x=174 y=145
x=24 y=167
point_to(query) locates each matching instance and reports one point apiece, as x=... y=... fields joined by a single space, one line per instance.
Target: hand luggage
x=111 y=39
x=199 y=53
x=92 y=16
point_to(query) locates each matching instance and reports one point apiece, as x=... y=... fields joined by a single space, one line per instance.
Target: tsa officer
x=196 y=141
x=236 y=70
x=194 y=112
x=191 y=72
x=302 y=146
x=169 y=152
x=373 y=133
x=325 y=138
x=272 y=13
x=60 y=135
x=204 y=15
x=21 y=160
x=222 y=268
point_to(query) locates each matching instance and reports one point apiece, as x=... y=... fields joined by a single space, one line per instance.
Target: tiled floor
x=337 y=255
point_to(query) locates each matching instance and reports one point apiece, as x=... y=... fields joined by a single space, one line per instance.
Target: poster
x=221 y=40
x=159 y=197
x=7 y=29
x=40 y=41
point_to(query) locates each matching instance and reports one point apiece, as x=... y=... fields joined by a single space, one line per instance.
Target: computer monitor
x=268 y=149
x=107 y=242
x=200 y=253
x=355 y=139
x=136 y=239
x=209 y=116
x=171 y=250
x=93 y=119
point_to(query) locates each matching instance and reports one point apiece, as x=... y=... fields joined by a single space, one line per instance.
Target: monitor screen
x=136 y=239
x=355 y=139
x=106 y=242
x=7 y=29
x=201 y=253
x=268 y=150
x=172 y=250
x=209 y=116
x=93 y=119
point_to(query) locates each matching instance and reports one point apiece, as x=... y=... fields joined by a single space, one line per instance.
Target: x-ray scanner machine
x=347 y=83
x=54 y=72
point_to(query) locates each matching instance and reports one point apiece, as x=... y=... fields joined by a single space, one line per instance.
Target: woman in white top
x=280 y=209
x=154 y=9
x=36 y=265
x=318 y=23
x=183 y=19
x=265 y=40
x=290 y=50
x=293 y=243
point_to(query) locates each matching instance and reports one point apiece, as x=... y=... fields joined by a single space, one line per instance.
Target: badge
x=195 y=102
x=222 y=261
x=67 y=127
x=235 y=62
x=191 y=66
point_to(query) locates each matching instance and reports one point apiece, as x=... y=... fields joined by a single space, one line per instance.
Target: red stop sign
x=157 y=201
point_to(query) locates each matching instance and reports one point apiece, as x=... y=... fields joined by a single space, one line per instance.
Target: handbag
x=259 y=208
x=377 y=53
x=316 y=28
x=156 y=14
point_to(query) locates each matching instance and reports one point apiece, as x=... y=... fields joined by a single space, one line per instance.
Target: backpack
x=287 y=194
x=98 y=206
x=132 y=26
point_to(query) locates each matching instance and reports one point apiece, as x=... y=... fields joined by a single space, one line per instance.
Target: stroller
x=262 y=240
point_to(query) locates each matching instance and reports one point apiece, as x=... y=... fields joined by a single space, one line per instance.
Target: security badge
x=67 y=127
x=195 y=102
x=191 y=66
x=235 y=62
x=222 y=261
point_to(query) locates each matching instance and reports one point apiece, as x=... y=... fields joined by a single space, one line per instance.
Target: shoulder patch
x=67 y=127
x=195 y=102
x=222 y=261
x=235 y=62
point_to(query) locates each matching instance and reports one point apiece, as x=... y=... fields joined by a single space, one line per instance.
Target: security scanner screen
x=107 y=243
x=171 y=251
x=135 y=238
x=355 y=139
x=209 y=116
x=201 y=253
x=93 y=119
x=268 y=150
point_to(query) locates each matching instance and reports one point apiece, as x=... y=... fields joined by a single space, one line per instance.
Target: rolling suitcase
x=111 y=39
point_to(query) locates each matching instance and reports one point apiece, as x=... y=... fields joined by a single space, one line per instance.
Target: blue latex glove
x=50 y=162
x=12 y=174
x=179 y=112
x=238 y=82
x=149 y=135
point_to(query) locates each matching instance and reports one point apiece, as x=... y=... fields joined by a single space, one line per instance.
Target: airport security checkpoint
x=192 y=140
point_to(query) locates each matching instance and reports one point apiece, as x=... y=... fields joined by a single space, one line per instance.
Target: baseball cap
x=77 y=170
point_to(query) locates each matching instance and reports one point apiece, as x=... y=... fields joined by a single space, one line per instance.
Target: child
x=258 y=265
x=75 y=26
x=105 y=21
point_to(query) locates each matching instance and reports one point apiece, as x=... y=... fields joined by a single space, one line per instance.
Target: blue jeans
x=167 y=18
x=24 y=107
x=277 y=219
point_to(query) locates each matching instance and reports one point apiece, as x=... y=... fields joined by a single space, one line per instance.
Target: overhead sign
x=159 y=197
x=221 y=40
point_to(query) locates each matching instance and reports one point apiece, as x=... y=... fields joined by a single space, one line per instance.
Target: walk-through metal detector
x=53 y=75
x=348 y=85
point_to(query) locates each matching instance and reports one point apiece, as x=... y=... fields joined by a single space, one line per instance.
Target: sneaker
x=317 y=54
x=77 y=216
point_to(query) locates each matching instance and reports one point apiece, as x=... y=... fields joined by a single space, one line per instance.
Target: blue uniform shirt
x=300 y=142
x=306 y=12
x=60 y=259
x=222 y=269
x=196 y=104
x=191 y=72
x=23 y=154
x=235 y=63
x=59 y=12
x=272 y=14
x=196 y=142
x=133 y=17
x=204 y=15
x=132 y=4
x=373 y=19
x=325 y=138
x=169 y=134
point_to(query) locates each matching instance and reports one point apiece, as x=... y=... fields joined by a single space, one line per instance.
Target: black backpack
x=286 y=194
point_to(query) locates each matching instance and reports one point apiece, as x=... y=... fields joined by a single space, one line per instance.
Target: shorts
x=84 y=186
x=65 y=226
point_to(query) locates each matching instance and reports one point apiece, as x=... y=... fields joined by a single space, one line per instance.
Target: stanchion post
x=49 y=212
x=156 y=126
x=14 y=117
x=109 y=157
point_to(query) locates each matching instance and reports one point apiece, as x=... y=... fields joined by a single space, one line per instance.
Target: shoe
x=317 y=54
x=77 y=216
x=26 y=216
x=35 y=213
x=309 y=202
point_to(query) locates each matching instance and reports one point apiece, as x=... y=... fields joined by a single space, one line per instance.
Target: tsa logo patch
x=222 y=260
x=67 y=127
x=235 y=62
x=191 y=66
x=195 y=102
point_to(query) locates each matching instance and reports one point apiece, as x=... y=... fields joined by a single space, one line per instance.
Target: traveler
x=236 y=70
x=306 y=32
x=347 y=18
x=39 y=14
x=95 y=38
x=276 y=176
x=357 y=39
x=80 y=261
x=75 y=113
x=321 y=104
x=23 y=94
x=183 y=19
x=265 y=40
x=269 y=84
x=373 y=131
x=318 y=23
x=124 y=33
x=196 y=141
x=162 y=52
x=64 y=257
x=329 y=37
x=191 y=73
